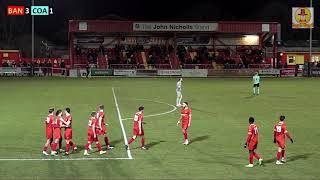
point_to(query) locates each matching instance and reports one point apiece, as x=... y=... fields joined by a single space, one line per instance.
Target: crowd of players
x=54 y=123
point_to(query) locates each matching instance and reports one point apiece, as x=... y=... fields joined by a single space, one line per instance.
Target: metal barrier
x=260 y=66
x=33 y=71
x=159 y=66
x=126 y=66
x=197 y=66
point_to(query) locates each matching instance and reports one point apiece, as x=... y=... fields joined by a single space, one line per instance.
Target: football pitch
x=221 y=108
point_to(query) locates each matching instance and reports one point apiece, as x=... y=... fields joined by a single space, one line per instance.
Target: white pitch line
x=70 y=159
x=158 y=114
x=121 y=124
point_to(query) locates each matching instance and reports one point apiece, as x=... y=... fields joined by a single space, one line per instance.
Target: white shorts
x=179 y=94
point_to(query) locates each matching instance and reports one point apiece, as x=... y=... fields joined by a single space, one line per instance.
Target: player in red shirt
x=138 y=129
x=252 y=142
x=279 y=136
x=101 y=128
x=57 y=125
x=92 y=135
x=68 y=131
x=49 y=130
x=186 y=116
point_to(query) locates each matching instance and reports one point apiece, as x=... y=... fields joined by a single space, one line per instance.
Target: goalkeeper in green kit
x=256 y=84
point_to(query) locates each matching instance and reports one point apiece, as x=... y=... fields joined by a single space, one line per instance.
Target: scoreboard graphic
x=32 y=10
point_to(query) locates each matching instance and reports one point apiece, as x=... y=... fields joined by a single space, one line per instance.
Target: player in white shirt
x=256 y=84
x=179 y=92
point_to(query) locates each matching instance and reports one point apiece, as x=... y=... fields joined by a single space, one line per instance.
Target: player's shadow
x=152 y=144
x=149 y=145
x=290 y=158
x=250 y=97
x=298 y=157
x=80 y=148
x=116 y=142
x=198 y=139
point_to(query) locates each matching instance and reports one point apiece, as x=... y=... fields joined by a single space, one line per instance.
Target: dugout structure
x=106 y=43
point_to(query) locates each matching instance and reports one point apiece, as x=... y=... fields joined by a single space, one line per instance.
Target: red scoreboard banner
x=15 y=10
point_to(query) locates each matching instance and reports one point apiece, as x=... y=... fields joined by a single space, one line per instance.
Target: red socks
x=142 y=142
x=130 y=140
x=106 y=140
x=251 y=158
x=86 y=147
x=185 y=135
x=99 y=146
x=256 y=155
x=45 y=148
x=67 y=147
x=278 y=156
x=54 y=146
x=282 y=153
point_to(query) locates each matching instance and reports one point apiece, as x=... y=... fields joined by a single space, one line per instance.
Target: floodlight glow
x=251 y=39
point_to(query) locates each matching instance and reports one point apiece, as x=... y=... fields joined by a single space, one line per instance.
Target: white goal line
x=59 y=159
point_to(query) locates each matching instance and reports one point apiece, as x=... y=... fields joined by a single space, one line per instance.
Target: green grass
x=221 y=108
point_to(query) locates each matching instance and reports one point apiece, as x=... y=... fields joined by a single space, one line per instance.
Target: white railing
x=33 y=71
x=197 y=66
x=260 y=66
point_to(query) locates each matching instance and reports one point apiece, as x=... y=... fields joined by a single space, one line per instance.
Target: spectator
x=49 y=68
x=88 y=69
x=95 y=57
x=41 y=68
x=240 y=65
x=90 y=57
x=5 y=64
x=63 y=67
x=279 y=65
x=24 y=64
x=78 y=50
x=14 y=65
x=101 y=49
x=44 y=68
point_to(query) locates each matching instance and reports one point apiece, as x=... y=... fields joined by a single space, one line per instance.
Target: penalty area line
x=67 y=159
x=121 y=123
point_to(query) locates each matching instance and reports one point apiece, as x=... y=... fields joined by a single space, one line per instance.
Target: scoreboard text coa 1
x=32 y=10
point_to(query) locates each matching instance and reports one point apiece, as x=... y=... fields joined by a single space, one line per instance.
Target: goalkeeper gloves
x=274 y=140
x=291 y=140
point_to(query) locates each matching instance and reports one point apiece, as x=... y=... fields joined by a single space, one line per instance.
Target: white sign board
x=269 y=71
x=174 y=72
x=194 y=72
x=201 y=27
x=124 y=72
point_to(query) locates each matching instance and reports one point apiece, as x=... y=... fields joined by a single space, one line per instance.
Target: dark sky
x=55 y=27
